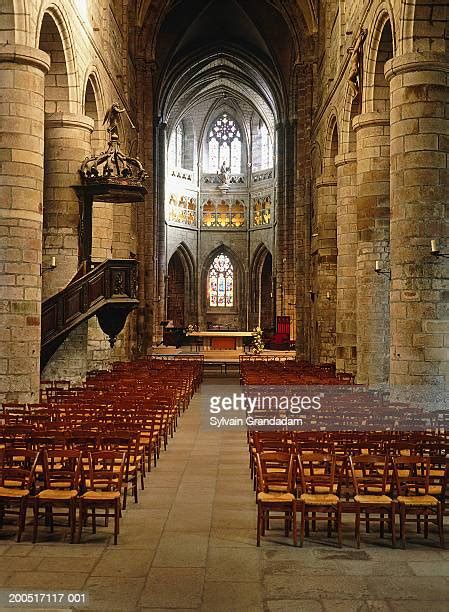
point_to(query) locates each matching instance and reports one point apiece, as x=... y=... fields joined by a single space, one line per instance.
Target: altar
x=221 y=340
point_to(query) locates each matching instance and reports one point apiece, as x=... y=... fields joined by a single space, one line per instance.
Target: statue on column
x=224 y=175
x=111 y=119
x=355 y=63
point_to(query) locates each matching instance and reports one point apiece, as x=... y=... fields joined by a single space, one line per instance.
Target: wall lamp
x=435 y=249
x=49 y=268
x=378 y=269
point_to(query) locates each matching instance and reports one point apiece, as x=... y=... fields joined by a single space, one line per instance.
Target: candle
x=434 y=246
x=378 y=266
x=53 y=262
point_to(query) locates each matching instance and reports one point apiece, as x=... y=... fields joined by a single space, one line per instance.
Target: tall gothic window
x=220 y=282
x=179 y=145
x=266 y=150
x=225 y=145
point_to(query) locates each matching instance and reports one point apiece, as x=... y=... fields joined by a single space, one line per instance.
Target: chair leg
x=426 y=526
x=393 y=524
x=382 y=525
x=339 y=530
x=302 y=527
x=295 y=525
x=81 y=521
x=357 y=526
x=329 y=524
x=94 y=521
x=35 y=519
x=116 y=521
x=402 y=523
x=72 y=518
x=22 y=517
x=440 y=513
x=259 y=522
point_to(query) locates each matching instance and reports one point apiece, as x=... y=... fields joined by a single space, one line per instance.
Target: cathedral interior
x=223 y=166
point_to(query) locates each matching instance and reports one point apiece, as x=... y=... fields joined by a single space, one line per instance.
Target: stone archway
x=176 y=291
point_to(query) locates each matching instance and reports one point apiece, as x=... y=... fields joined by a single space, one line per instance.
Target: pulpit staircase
x=107 y=291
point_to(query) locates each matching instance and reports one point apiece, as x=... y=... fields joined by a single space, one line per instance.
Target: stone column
x=419 y=87
x=22 y=72
x=346 y=325
x=373 y=212
x=326 y=243
x=67 y=143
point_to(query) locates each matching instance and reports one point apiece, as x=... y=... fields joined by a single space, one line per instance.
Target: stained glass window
x=221 y=282
x=225 y=145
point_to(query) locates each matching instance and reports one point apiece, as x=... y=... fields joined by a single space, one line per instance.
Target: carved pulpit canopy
x=113 y=176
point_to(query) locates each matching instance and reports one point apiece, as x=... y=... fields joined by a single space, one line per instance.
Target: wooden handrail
x=113 y=282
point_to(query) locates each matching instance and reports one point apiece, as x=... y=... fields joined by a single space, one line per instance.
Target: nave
x=190 y=543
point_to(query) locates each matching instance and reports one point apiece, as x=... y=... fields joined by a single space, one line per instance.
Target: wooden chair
x=319 y=491
x=276 y=486
x=412 y=478
x=17 y=476
x=104 y=487
x=62 y=475
x=126 y=442
x=371 y=481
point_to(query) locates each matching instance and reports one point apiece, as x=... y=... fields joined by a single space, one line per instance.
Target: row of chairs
x=124 y=416
x=48 y=479
x=311 y=483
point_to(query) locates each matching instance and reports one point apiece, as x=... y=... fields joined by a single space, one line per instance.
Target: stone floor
x=190 y=544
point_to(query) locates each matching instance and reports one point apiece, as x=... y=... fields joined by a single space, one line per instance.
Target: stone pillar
x=326 y=242
x=346 y=319
x=419 y=87
x=22 y=72
x=373 y=212
x=160 y=272
x=67 y=143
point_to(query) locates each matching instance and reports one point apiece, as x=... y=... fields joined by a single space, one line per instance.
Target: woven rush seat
x=274 y=497
x=373 y=499
x=49 y=494
x=418 y=500
x=99 y=495
x=12 y=492
x=319 y=499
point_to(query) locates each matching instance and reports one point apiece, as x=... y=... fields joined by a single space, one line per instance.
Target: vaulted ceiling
x=192 y=41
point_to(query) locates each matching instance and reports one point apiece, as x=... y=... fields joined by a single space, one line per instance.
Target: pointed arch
x=93 y=107
x=53 y=36
x=183 y=254
x=379 y=49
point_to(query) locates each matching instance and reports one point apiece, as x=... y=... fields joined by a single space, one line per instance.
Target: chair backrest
x=62 y=468
x=317 y=472
x=106 y=469
x=412 y=474
x=370 y=474
x=283 y=325
x=275 y=468
x=18 y=467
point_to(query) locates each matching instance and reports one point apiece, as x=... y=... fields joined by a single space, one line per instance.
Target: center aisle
x=190 y=543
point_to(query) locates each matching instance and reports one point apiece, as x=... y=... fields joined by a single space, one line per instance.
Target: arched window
x=266 y=150
x=179 y=145
x=225 y=145
x=220 y=282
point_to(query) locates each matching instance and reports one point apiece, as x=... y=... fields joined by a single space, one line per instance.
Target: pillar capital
x=29 y=56
x=416 y=62
x=346 y=158
x=69 y=120
x=371 y=119
x=326 y=181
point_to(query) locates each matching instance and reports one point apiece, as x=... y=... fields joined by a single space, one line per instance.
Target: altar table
x=222 y=340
